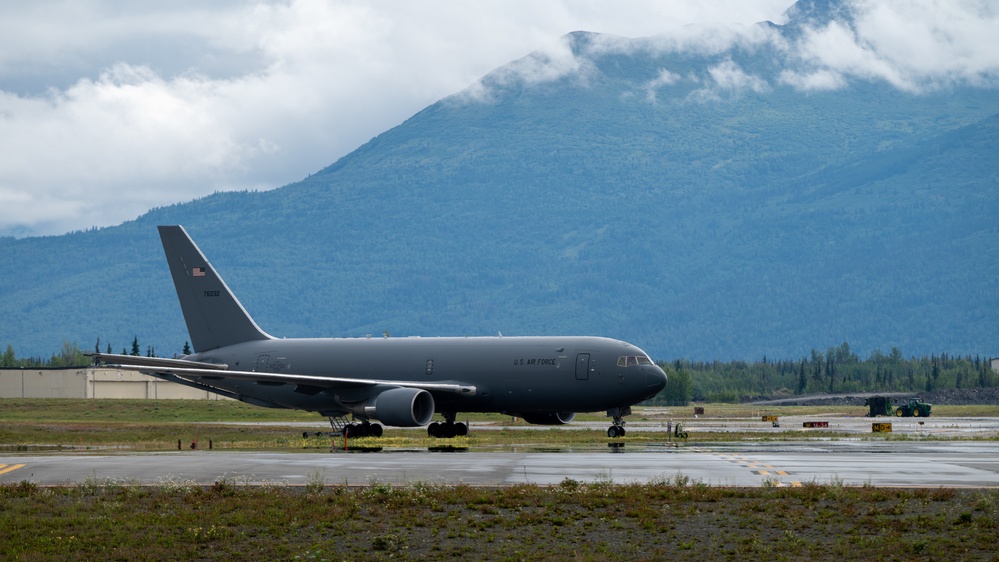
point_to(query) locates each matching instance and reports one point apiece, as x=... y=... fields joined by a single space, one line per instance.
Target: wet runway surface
x=789 y=463
x=927 y=452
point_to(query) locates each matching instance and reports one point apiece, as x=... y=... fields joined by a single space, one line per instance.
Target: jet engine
x=402 y=407
x=549 y=418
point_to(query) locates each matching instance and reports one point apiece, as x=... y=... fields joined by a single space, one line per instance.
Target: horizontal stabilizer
x=153 y=361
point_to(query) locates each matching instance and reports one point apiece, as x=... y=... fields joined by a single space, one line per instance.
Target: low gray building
x=93 y=382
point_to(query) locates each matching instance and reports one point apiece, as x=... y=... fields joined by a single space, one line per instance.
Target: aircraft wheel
x=433 y=430
x=449 y=430
x=612 y=431
x=461 y=429
x=376 y=430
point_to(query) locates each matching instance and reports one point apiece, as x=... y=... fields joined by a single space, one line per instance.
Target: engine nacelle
x=402 y=407
x=549 y=418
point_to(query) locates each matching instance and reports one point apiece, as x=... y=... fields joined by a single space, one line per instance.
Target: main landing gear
x=448 y=428
x=341 y=427
x=617 y=429
x=363 y=429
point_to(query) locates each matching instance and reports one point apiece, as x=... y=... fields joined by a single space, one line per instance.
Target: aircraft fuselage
x=510 y=374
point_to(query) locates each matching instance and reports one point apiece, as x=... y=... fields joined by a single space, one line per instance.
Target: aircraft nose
x=655 y=378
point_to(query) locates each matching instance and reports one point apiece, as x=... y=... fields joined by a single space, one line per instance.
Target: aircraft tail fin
x=215 y=318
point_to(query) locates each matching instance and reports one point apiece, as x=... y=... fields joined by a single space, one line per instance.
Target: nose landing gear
x=617 y=429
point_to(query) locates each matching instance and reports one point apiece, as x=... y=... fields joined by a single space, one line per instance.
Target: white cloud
x=110 y=108
x=700 y=39
x=544 y=65
x=816 y=80
x=664 y=78
x=728 y=77
x=914 y=45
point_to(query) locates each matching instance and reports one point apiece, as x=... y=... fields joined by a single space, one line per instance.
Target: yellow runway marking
x=759 y=468
x=4 y=469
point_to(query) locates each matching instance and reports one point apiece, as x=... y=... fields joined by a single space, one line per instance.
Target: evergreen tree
x=896 y=356
x=817 y=368
x=679 y=389
x=8 y=357
x=187 y=348
x=135 y=346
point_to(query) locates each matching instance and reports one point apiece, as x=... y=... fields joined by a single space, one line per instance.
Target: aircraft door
x=582 y=366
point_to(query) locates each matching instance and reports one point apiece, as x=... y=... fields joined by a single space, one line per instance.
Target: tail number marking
x=213 y=293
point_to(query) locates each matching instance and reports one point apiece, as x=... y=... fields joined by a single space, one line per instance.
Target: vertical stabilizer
x=214 y=316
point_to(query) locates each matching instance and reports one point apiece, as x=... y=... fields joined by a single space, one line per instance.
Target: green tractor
x=914 y=409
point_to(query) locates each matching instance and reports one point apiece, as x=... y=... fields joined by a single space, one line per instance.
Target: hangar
x=93 y=382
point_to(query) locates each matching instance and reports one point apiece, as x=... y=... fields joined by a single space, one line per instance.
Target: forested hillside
x=639 y=196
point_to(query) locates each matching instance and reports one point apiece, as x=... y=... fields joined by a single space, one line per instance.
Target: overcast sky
x=110 y=108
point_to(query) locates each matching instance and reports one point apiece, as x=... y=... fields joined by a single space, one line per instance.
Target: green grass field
x=570 y=521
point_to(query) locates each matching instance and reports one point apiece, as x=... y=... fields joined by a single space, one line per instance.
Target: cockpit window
x=632 y=360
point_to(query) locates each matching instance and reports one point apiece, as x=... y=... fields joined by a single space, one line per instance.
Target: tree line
x=838 y=370
x=72 y=356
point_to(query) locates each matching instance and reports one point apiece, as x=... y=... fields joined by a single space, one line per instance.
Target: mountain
x=688 y=200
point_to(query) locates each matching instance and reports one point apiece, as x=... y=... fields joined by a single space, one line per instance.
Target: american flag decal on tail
x=198 y=272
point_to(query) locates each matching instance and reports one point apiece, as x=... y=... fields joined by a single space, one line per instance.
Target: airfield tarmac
x=938 y=452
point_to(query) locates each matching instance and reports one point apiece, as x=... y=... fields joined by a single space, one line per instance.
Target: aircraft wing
x=195 y=371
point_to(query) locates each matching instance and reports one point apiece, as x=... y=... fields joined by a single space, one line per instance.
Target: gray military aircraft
x=397 y=381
